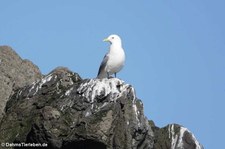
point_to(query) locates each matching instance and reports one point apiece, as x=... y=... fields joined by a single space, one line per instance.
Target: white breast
x=116 y=60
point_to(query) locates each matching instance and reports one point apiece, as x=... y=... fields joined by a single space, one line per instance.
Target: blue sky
x=175 y=51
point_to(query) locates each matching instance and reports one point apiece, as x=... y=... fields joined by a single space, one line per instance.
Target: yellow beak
x=106 y=40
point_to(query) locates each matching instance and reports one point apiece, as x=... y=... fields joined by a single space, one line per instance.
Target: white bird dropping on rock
x=114 y=60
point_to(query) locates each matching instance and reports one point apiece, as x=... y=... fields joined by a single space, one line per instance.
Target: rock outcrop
x=64 y=111
x=175 y=136
x=14 y=73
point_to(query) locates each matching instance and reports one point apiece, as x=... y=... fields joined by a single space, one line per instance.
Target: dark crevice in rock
x=84 y=144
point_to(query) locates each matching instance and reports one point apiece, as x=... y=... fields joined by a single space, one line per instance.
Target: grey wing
x=103 y=64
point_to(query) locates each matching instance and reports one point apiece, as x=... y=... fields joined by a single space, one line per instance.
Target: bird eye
x=112 y=37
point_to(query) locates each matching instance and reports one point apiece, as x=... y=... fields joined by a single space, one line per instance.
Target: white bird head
x=114 y=39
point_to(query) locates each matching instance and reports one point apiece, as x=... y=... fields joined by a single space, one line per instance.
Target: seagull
x=114 y=60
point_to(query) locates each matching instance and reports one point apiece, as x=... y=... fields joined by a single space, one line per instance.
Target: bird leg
x=115 y=75
x=108 y=75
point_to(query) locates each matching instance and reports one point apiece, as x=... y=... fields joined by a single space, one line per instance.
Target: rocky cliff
x=14 y=73
x=63 y=111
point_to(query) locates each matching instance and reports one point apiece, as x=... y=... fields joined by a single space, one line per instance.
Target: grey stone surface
x=65 y=111
x=14 y=73
x=174 y=136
